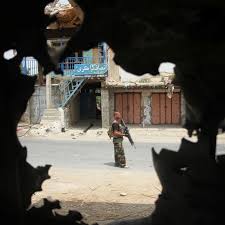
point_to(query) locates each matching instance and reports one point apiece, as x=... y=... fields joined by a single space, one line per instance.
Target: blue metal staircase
x=76 y=70
x=70 y=88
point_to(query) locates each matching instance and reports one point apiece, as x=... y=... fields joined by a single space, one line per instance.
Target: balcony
x=29 y=66
x=84 y=66
x=71 y=66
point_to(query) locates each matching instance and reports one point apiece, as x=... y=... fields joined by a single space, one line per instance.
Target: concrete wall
x=37 y=104
x=75 y=110
x=113 y=69
x=107 y=97
x=118 y=74
x=72 y=112
x=105 y=108
x=111 y=105
x=95 y=53
x=127 y=77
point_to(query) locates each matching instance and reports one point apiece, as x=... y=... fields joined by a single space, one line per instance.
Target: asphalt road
x=87 y=154
x=83 y=177
x=91 y=155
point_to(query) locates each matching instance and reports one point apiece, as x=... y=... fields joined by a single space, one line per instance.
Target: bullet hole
x=10 y=54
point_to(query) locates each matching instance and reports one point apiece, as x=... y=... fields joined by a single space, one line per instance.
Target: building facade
x=92 y=86
x=143 y=101
x=93 y=97
x=77 y=91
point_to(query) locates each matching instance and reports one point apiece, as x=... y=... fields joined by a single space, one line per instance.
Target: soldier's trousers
x=119 y=155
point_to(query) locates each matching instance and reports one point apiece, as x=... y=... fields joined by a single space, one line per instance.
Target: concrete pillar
x=62 y=119
x=40 y=75
x=111 y=105
x=105 y=108
x=48 y=92
x=183 y=109
x=146 y=101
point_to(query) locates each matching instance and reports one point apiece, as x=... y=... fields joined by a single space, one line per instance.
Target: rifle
x=127 y=132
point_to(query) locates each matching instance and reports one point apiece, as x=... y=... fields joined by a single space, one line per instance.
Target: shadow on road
x=110 y=164
x=105 y=212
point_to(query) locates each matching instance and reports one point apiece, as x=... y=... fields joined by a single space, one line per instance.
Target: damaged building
x=91 y=86
x=74 y=95
x=143 y=100
x=77 y=93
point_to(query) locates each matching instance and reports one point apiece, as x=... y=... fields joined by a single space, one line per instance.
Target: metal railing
x=76 y=69
x=69 y=89
x=84 y=60
x=84 y=66
x=29 y=66
x=71 y=66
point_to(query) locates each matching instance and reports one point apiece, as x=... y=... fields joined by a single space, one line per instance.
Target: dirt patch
x=101 y=186
x=97 y=193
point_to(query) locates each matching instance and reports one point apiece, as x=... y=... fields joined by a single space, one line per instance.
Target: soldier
x=118 y=134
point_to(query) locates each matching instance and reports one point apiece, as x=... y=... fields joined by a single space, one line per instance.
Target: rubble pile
x=66 y=15
x=146 y=80
x=45 y=129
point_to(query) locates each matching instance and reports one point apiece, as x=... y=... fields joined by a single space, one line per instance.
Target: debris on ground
x=53 y=130
x=123 y=194
x=99 y=133
x=47 y=130
x=89 y=127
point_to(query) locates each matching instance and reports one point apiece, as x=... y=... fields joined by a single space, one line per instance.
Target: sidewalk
x=96 y=133
x=161 y=134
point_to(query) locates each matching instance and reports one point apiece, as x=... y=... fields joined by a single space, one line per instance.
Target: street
x=97 y=155
x=83 y=176
x=89 y=155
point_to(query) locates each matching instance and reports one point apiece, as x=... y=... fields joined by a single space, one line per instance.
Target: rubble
x=146 y=80
x=123 y=194
x=45 y=129
x=67 y=16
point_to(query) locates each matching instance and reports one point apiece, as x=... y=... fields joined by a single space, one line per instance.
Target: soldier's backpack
x=110 y=132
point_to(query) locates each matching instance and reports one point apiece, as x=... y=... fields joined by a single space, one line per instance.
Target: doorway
x=90 y=104
x=165 y=110
x=129 y=105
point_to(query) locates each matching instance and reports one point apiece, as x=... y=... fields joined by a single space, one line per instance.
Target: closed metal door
x=165 y=110
x=129 y=105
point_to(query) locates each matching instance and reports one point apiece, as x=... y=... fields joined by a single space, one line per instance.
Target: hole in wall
x=166 y=67
x=10 y=54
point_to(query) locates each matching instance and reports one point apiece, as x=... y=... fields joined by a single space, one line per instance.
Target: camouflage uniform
x=119 y=154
